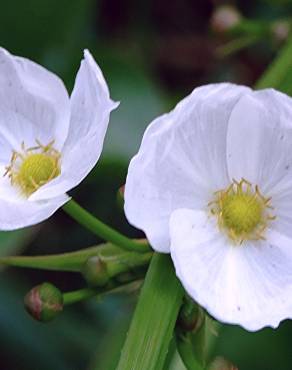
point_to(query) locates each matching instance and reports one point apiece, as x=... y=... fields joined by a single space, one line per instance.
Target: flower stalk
x=195 y=335
x=80 y=295
x=191 y=335
x=115 y=259
x=102 y=230
x=188 y=352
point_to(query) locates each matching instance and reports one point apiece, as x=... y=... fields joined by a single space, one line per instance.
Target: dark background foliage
x=152 y=53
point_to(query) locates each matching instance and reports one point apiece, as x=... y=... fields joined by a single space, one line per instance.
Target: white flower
x=212 y=184
x=49 y=142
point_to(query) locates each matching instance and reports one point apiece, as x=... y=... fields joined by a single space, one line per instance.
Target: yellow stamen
x=241 y=211
x=33 y=167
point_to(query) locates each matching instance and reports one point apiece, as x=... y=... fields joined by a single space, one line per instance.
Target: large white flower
x=212 y=183
x=49 y=142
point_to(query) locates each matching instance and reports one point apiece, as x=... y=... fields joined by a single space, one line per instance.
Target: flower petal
x=16 y=215
x=7 y=191
x=34 y=104
x=282 y=206
x=181 y=161
x=249 y=285
x=90 y=112
x=259 y=140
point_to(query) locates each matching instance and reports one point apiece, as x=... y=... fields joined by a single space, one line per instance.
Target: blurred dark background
x=152 y=53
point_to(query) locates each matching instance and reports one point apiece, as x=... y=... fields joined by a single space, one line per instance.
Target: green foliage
x=154 y=319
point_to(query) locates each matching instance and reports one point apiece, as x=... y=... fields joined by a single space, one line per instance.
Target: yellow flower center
x=242 y=211
x=34 y=167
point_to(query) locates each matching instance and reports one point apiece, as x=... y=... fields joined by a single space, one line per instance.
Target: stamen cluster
x=33 y=167
x=242 y=211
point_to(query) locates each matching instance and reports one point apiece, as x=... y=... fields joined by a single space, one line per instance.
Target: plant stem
x=104 y=231
x=117 y=260
x=152 y=326
x=278 y=70
x=79 y=295
x=195 y=346
x=188 y=352
x=236 y=45
x=84 y=294
x=71 y=261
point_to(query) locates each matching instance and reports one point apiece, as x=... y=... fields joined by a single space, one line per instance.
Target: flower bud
x=44 y=302
x=95 y=272
x=224 y=18
x=220 y=363
x=191 y=316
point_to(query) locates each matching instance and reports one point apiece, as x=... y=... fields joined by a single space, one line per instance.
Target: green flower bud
x=221 y=363
x=191 y=316
x=95 y=272
x=44 y=302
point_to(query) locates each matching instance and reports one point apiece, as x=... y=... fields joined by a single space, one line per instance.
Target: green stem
x=251 y=27
x=78 y=296
x=236 y=45
x=117 y=260
x=71 y=261
x=191 y=335
x=152 y=326
x=278 y=70
x=84 y=294
x=212 y=332
x=187 y=351
x=104 y=231
x=195 y=346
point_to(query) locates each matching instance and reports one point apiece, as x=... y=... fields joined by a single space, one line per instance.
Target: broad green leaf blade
x=152 y=326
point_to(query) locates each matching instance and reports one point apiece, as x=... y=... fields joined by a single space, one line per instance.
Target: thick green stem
x=154 y=319
x=117 y=260
x=72 y=261
x=278 y=70
x=104 y=231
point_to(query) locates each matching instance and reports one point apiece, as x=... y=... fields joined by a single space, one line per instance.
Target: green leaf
x=152 y=326
x=279 y=70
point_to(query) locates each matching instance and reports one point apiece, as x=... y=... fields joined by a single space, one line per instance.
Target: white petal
x=90 y=112
x=7 y=191
x=249 y=285
x=282 y=209
x=16 y=215
x=181 y=161
x=259 y=140
x=34 y=104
